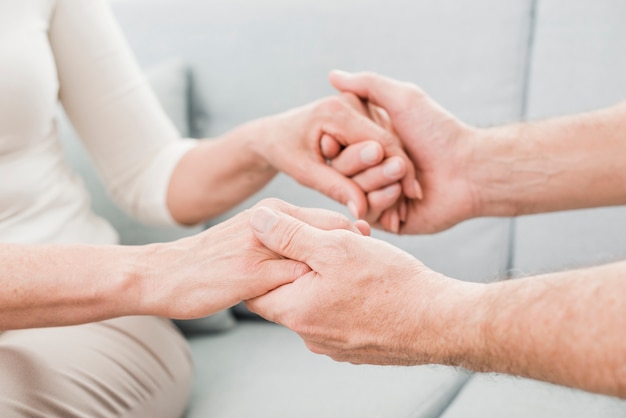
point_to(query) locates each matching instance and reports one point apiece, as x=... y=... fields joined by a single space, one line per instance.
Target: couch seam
x=523 y=116
x=530 y=44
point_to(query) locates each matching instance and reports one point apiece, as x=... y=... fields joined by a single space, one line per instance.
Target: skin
x=218 y=174
x=365 y=301
x=390 y=309
x=52 y=285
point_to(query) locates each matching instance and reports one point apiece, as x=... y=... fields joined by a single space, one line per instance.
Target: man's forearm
x=566 y=163
x=567 y=328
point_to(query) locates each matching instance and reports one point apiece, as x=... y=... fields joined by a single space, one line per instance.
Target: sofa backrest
x=254 y=58
x=490 y=62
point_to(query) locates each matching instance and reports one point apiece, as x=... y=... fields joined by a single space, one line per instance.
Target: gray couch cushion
x=494 y=396
x=578 y=64
x=263 y=370
x=257 y=58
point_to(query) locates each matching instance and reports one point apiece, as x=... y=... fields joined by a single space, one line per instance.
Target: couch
x=216 y=64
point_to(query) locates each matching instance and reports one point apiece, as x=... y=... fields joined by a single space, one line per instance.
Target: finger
x=404 y=208
x=319 y=218
x=394 y=219
x=336 y=186
x=381 y=200
x=364 y=228
x=276 y=305
x=382 y=175
x=329 y=147
x=393 y=96
x=286 y=235
x=279 y=272
x=358 y=157
x=348 y=127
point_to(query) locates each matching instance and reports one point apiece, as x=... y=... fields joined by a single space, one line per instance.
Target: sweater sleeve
x=134 y=145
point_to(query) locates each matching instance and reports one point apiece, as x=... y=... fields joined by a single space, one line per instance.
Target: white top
x=72 y=51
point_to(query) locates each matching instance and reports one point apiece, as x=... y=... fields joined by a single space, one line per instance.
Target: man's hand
x=363 y=301
x=439 y=146
x=203 y=274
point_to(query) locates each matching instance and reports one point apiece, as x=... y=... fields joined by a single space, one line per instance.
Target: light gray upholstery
x=511 y=397
x=488 y=61
x=263 y=370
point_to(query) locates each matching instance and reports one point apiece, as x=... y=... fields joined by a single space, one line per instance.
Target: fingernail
x=418 y=190
x=353 y=210
x=263 y=219
x=392 y=169
x=395 y=222
x=369 y=154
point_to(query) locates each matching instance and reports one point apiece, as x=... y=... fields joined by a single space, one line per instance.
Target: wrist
x=454 y=324
x=260 y=141
x=495 y=156
x=141 y=280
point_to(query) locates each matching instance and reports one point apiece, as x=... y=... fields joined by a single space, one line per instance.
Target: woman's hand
x=292 y=142
x=214 y=270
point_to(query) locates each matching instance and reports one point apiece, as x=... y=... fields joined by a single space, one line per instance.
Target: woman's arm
x=50 y=285
x=54 y=285
x=218 y=174
x=158 y=177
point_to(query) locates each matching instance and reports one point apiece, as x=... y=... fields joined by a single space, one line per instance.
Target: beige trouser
x=124 y=367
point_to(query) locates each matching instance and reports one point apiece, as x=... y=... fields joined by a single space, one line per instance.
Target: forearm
x=52 y=285
x=218 y=174
x=565 y=163
x=567 y=328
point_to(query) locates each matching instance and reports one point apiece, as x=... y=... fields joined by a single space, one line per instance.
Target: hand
x=386 y=204
x=199 y=275
x=363 y=301
x=293 y=146
x=439 y=145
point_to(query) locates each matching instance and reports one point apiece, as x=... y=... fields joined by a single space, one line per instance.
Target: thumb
x=377 y=89
x=285 y=235
x=393 y=96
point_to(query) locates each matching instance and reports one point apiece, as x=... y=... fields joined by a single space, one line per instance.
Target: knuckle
x=351 y=99
x=335 y=190
x=290 y=237
x=341 y=221
x=335 y=250
x=315 y=348
x=330 y=105
x=368 y=76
